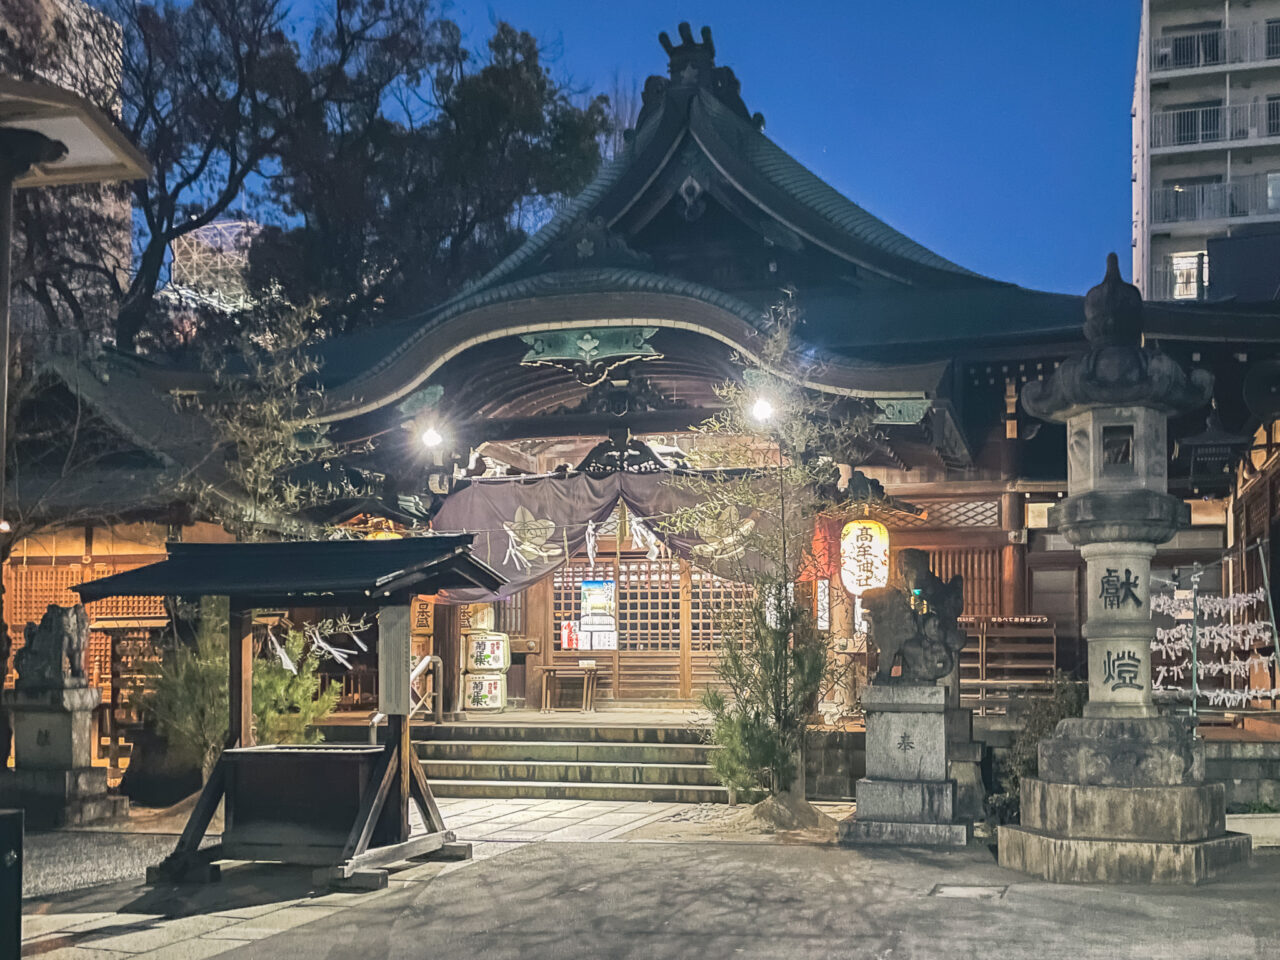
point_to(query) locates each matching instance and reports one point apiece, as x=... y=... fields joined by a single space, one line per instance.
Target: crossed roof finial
x=690 y=60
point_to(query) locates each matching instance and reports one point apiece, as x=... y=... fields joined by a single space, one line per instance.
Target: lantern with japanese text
x=864 y=556
x=864 y=563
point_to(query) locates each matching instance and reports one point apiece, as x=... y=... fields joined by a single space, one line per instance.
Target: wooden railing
x=1006 y=657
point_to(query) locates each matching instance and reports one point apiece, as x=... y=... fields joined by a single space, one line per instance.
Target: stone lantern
x=1120 y=794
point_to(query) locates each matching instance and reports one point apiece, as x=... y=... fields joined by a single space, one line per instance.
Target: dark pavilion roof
x=325 y=571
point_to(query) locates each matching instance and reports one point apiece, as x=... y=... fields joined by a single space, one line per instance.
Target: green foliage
x=188 y=700
x=1261 y=806
x=772 y=672
x=1066 y=699
x=758 y=526
x=286 y=703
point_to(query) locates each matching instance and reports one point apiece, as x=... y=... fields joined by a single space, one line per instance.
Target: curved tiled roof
x=807 y=188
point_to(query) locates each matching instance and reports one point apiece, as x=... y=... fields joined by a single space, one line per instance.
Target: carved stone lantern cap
x=1113 y=310
x=1117 y=370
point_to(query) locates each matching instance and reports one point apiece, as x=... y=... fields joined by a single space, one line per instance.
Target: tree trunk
x=132 y=315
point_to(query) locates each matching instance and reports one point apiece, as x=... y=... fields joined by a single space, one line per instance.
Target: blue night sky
x=995 y=132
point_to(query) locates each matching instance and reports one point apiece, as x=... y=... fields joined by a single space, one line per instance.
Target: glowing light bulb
x=431 y=437
x=762 y=410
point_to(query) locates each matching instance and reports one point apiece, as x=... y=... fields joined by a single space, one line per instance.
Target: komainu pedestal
x=907 y=796
x=54 y=779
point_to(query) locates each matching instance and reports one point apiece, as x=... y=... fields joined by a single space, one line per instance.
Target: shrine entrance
x=669 y=616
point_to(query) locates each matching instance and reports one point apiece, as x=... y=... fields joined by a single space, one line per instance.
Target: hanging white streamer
x=278 y=647
x=1215 y=607
x=591 y=542
x=1216 y=636
x=645 y=539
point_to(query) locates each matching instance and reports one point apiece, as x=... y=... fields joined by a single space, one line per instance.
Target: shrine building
x=566 y=379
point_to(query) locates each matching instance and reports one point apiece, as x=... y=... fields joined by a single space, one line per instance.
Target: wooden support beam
x=372 y=802
x=240 y=675
x=426 y=800
x=398 y=731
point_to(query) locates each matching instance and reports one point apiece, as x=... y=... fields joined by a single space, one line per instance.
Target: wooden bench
x=551 y=677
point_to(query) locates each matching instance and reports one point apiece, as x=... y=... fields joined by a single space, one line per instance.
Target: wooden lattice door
x=669 y=615
x=652 y=664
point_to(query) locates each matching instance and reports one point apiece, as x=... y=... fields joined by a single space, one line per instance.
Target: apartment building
x=1206 y=150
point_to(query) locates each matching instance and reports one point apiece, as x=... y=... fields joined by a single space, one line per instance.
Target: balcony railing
x=1224 y=124
x=1212 y=48
x=1245 y=197
x=1175 y=283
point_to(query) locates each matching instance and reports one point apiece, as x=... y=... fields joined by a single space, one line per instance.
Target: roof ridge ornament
x=691 y=66
x=690 y=63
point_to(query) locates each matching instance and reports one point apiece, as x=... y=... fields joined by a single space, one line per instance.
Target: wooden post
x=686 y=631
x=1013 y=558
x=240 y=677
x=394 y=666
x=398 y=727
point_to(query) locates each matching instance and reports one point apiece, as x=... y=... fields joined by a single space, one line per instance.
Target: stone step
x=559 y=790
x=563 y=751
x=579 y=733
x=651 y=774
x=560 y=733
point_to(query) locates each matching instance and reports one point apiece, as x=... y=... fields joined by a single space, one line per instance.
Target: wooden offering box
x=296 y=803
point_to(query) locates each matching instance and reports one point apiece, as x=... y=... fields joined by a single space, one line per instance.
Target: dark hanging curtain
x=525 y=529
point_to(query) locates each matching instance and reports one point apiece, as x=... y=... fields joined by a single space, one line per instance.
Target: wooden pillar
x=686 y=631
x=397 y=811
x=448 y=646
x=240 y=731
x=394 y=667
x=1013 y=557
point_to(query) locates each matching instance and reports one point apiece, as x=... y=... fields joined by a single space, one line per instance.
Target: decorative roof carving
x=1118 y=370
x=620 y=397
x=590 y=354
x=691 y=65
x=589 y=243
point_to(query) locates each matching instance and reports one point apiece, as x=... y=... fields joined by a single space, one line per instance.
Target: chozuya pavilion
x=537 y=407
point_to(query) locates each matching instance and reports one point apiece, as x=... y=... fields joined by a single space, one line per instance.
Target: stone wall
x=1251 y=771
x=835 y=760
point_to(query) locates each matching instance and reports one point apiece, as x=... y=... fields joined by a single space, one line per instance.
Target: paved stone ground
x=60 y=861
x=652 y=901
x=563 y=880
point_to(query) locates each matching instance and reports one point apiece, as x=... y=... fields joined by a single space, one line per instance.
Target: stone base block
x=856 y=832
x=907 y=801
x=971 y=792
x=1067 y=860
x=1122 y=752
x=1180 y=814
x=61 y=798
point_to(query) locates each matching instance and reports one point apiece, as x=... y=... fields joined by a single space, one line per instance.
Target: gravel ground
x=71 y=859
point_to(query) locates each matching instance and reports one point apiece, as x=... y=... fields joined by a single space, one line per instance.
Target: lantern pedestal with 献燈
x=1120 y=794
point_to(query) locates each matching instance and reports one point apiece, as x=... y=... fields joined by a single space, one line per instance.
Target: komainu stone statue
x=913 y=622
x=58 y=642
